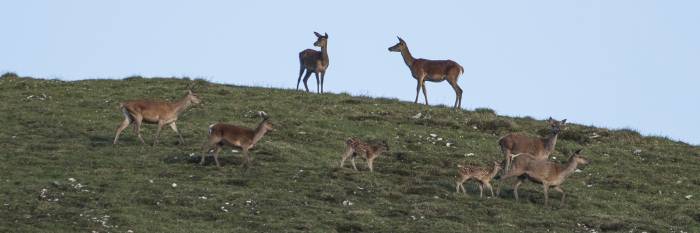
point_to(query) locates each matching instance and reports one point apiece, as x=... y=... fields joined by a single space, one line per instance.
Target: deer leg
x=216 y=155
x=348 y=152
x=370 y=163
x=353 y=162
x=425 y=93
x=318 y=85
x=481 y=190
x=306 y=79
x=488 y=185
x=174 y=127
x=160 y=127
x=417 y=92
x=562 y=194
x=515 y=188
x=457 y=184
x=137 y=128
x=121 y=128
x=458 y=93
x=323 y=76
x=301 y=72
x=206 y=147
x=506 y=153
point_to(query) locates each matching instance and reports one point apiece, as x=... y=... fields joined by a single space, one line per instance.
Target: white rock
x=589 y=185
x=234 y=151
x=469 y=154
x=637 y=151
x=448 y=144
x=150 y=181
x=417 y=116
x=71 y=179
x=688 y=197
x=433 y=135
x=174 y=185
x=439 y=139
x=577 y=170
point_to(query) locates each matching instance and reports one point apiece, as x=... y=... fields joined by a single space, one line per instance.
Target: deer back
x=520 y=143
x=233 y=134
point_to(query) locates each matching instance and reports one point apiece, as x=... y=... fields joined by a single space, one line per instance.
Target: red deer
x=154 y=112
x=540 y=148
x=480 y=174
x=547 y=173
x=314 y=62
x=431 y=70
x=354 y=146
x=235 y=136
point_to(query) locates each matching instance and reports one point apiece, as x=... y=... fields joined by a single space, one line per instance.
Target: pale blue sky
x=606 y=63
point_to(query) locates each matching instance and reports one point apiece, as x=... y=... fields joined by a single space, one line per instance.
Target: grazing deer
x=431 y=70
x=154 y=112
x=480 y=174
x=540 y=148
x=354 y=146
x=314 y=61
x=235 y=136
x=547 y=173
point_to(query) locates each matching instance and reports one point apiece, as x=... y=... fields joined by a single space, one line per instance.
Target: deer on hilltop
x=154 y=112
x=431 y=70
x=313 y=61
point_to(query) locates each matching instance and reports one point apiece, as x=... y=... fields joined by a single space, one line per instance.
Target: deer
x=431 y=70
x=548 y=173
x=313 y=61
x=480 y=174
x=540 y=148
x=369 y=151
x=221 y=134
x=154 y=112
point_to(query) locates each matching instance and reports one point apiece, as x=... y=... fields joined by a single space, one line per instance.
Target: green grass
x=53 y=130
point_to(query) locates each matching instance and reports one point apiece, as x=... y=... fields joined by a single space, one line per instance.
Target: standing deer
x=480 y=174
x=354 y=146
x=314 y=61
x=547 y=173
x=540 y=148
x=235 y=136
x=154 y=112
x=431 y=70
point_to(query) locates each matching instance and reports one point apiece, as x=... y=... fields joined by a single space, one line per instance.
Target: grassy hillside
x=60 y=173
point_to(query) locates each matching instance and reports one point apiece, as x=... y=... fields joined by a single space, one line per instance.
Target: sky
x=618 y=64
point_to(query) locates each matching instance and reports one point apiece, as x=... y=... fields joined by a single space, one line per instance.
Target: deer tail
x=461 y=69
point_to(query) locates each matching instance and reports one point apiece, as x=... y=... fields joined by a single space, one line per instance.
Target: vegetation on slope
x=60 y=172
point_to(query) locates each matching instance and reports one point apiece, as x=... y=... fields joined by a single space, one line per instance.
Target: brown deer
x=354 y=146
x=547 y=173
x=314 y=61
x=480 y=174
x=431 y=70
x=235 y=136
x=154 y=112
x=540 y=148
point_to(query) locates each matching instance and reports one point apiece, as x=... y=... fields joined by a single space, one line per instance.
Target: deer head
x=322 y=40
x=266 y=123
x=192 y=97
x=579 y=158
x=398 y=47
x=556 y=126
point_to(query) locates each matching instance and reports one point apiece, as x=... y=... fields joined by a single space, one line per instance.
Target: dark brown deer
x=431 y=70
x=540 y=148
x=545 y=172
x=480 y=174
x=235 y=136
x=154 y=112
x=314 y=62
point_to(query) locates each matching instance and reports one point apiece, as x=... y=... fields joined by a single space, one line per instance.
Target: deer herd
x=526 y=157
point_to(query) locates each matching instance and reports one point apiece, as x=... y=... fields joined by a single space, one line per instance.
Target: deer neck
x=493 y=173
x=550 y=142
x=324 y=55
x=182 y=105
x=407 y=58
x=259 y=132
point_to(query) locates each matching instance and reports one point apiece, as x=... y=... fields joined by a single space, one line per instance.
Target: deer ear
x=563 y=121
x=578 y=151
x=317 y=34
x=400 y=40
x=325 y=34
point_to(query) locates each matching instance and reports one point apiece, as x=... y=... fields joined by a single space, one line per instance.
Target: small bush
x=485 y=111
x=9 y=75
